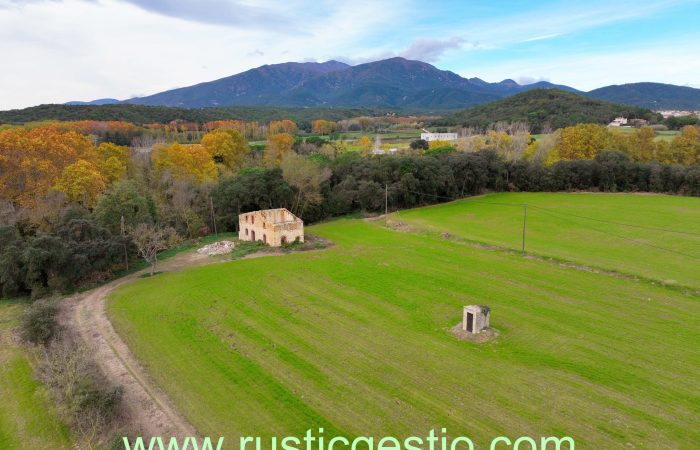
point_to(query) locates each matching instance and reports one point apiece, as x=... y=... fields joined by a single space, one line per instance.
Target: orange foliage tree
x=282 y=126
x=31 y=161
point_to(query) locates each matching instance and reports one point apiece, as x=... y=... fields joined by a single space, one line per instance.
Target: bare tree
x=150 y=240
x=307 y=176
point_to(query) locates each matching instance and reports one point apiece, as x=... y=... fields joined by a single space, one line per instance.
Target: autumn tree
x=278 y=145
x=185 y=162
x=227 y=147
x=282 y=126
x=365 y=144
x=81 y=182
x=544 y=151
x=108 y=150
x=31 y=161
x=583 y=141
x=439 y=144
x=323 y=127
x=685 y=149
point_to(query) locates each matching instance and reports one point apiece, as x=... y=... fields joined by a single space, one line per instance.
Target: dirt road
x=149 y=410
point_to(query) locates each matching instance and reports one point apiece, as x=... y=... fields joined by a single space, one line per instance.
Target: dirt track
x=149 y=410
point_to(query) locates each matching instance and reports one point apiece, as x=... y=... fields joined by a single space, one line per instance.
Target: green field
x=354 y=339
x=27 y=418
x=653 y=236
x=406 y=134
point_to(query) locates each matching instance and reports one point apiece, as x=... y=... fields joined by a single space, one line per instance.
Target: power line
x=631 y=225
x=629 y=239
x=560 y=214
x=466 y=199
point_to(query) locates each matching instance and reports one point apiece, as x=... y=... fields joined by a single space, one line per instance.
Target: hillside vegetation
x=544 y=109
x=650 y=95
x=140 y=114
x=355 y=339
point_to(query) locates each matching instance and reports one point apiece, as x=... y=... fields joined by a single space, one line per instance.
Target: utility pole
x=126 y=252
x=386 y=203
x=211 y=209
x=524 y=225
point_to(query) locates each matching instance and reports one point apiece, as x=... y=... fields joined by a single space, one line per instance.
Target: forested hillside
x=140 y=114
x=545 y=109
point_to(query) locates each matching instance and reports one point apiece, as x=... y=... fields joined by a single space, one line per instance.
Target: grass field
x=408 y=133
x=27 y=418
x=354 y=339
x=590 y=229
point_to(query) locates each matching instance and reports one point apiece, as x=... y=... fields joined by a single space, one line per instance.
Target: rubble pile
x=217 y=248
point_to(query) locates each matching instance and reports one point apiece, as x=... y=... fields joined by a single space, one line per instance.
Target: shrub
x=39 y=323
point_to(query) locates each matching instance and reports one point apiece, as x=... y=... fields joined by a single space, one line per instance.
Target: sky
x=54 y=51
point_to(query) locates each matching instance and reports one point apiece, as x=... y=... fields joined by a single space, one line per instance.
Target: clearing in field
x=355 y=338
x=27 y=417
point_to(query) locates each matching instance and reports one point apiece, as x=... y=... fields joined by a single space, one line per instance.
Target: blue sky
x=56 y=51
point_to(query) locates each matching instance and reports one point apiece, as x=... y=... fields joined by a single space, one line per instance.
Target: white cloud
x=430 y=50
x=586 y=71
x=548 y=22
x=525 y=80
x=82 y=50
x=57 y=51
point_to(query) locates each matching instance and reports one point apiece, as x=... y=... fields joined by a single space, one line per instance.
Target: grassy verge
x=140 y=264
x=28 y=419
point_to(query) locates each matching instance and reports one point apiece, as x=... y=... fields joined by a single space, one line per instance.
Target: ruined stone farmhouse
x=273 y=227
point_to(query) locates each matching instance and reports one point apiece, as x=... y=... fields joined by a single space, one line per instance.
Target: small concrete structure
x=273 y=227
x=475 y=318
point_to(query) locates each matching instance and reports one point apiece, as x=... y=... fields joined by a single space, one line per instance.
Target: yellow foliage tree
x=278 y=145
x=323 y=126
x=438 y=144
x=642 y=146
x=113 y=169
x=365 y=145
x=583 y=141
x=685 y=149
x=226 y=147
x=108 y=150
x=185 y=162
x=82 y=182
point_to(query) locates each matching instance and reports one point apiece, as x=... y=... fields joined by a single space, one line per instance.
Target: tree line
x=73 y=212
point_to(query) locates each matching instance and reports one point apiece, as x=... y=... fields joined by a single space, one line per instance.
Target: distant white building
x=618 y=122
x=428 y=136
x=676 y=113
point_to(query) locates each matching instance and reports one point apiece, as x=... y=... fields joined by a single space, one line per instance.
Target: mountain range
x=394 y=82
